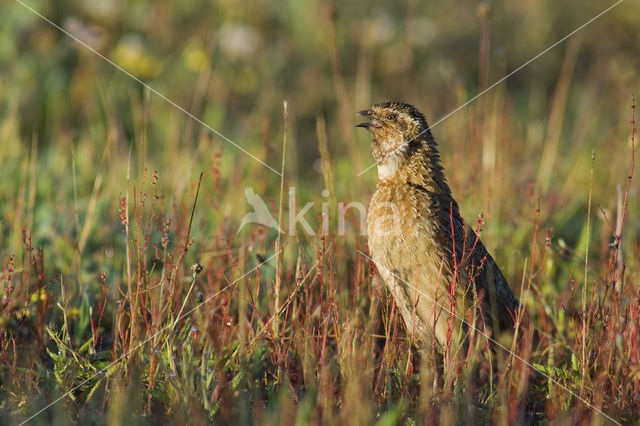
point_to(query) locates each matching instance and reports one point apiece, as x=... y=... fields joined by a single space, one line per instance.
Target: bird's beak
x=368 y=114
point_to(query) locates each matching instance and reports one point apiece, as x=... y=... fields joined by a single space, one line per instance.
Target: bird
x=432 y=262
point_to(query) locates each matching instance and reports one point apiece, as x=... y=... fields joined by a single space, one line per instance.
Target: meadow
x=131 y=294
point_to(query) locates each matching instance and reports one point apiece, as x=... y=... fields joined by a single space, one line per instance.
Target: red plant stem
x=265 y=325
x=534 y=244
x=618 y=235
x=452 y=290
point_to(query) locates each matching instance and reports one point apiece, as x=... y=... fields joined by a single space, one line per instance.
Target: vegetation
x=130 y=296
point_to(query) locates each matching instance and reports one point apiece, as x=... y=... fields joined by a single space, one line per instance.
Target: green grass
x=101 y=311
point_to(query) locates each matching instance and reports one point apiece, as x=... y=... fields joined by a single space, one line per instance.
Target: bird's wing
x=476 y=267
x=484 y=272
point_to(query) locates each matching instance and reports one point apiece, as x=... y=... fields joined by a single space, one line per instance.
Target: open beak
x=368 y=114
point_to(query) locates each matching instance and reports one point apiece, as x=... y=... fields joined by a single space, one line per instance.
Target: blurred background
x=79 y=139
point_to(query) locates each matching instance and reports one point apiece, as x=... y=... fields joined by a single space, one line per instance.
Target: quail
x=434 y=265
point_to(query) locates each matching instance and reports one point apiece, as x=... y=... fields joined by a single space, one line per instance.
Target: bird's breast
x=401 y=238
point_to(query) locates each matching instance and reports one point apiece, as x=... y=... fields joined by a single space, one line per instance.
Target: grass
x=130 y=296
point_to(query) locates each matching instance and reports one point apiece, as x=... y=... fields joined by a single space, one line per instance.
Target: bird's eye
x=392 y=116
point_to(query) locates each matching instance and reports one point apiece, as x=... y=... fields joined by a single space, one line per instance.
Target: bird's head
x=397 y=129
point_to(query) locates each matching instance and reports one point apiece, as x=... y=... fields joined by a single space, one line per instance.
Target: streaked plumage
x=414 y=227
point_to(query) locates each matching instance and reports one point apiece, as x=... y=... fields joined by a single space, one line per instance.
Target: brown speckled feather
x=415 y=227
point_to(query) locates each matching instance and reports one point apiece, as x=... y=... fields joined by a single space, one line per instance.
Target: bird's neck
x=391 y=166
x=418 y=164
